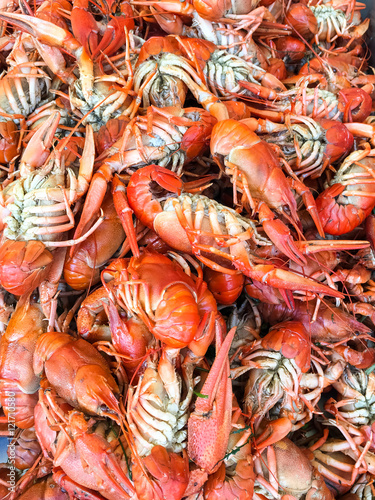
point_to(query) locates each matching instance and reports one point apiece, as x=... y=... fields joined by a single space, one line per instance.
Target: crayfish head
x=232 y=482
x=291 y=49
x=202 y=49
x=197 y=138
x=226 y=288
x=95 y=389
x=9 y=137
x=22 y=413
x=47 y=344
x=131 y=338
x=302 y=19
x=109 y=133
x=176 y=317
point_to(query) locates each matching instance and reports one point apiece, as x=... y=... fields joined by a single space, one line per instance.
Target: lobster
x=218 y=223
x=72 y=488
x=355 y=404
x=302 y=19
x=237 y=482
x=226 y=288
x=164 y=302
x=9 y=138
x=331 y=324
x=85 y=28
x=85 y=463
x=345 y=105
x=214 y=64
x=326 y=21
x=102 y=466
x=344 y=74
x=255 y=169
x=333 y=22
x=92 y=320
x=164 y=89
x=184 y=133
x=46 y=489
x=27 y=449
x=167 y=471
x=50 y=10
x=168 y=86
x=290 y=49
x=285 y=468
x=88 y=458
x=241 y=13
x=162 y=423
x=109 y=133
x=22 y=89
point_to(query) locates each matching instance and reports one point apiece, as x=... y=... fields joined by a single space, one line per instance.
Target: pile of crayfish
x=187 y=299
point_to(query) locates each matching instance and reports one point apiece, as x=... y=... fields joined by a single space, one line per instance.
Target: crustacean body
x=92 y=93
x=343 y=105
